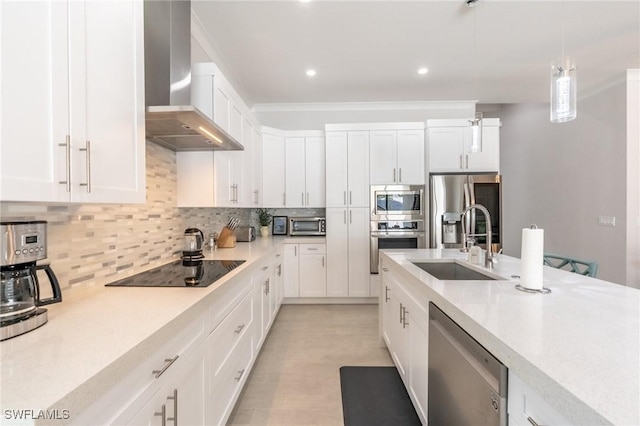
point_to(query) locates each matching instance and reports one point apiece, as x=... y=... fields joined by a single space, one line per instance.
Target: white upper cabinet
x=347 y=169
x=397 y=157
x=234 y=173
x=67 y=136
x=450 y=146
x=304 y=170
x=273 y=168
x=256 y=176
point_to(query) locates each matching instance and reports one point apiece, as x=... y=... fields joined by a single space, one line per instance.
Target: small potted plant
x=264 y=218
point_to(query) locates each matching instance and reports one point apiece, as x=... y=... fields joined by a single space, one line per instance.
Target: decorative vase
x=264 y=231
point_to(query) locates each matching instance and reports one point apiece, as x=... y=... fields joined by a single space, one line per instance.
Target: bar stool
x=583 y=267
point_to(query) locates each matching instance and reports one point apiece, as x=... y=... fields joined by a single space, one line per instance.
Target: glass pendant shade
x=563 y=90
x=476 y=134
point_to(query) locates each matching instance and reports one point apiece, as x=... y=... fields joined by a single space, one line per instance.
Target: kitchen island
x=577 y=347
x=75 y=368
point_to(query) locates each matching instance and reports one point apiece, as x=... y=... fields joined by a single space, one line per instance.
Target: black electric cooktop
x=181 y=273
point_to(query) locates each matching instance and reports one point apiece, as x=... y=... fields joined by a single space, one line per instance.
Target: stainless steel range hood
x=171 y=120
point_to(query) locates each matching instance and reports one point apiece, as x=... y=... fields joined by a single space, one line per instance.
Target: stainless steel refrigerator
x=450 y=194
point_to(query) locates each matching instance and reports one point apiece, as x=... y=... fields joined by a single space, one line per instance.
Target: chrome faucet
x=490 y=257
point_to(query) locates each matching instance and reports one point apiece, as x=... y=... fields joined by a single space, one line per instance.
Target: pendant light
x=476 y=123
x=563 y=86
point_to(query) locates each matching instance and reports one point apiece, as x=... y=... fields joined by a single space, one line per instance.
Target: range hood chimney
x=171 y=120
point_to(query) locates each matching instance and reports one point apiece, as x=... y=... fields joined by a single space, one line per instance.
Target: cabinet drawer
x=226 y=299
x=312 y=248
x=227 y=385
x=525 y=403
x=225 y=338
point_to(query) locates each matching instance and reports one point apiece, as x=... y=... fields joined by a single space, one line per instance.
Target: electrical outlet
x=607 y=220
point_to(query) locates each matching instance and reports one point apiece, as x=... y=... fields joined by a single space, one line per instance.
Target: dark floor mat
x=375 y=396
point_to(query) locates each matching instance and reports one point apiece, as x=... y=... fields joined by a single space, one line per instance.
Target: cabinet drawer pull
x=174 y=419
x=168 y=362
x=163 y=413
x=264 y=268
x=239 y=376
x=533 y=422
x=87 y=150
x=67 y=155
x=385 y=269
x=312 y=248
x=239 y=329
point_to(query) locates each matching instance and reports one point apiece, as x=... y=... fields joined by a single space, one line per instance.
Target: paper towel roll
x=531 y=258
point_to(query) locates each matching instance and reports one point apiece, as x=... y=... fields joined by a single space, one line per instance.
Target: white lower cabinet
x=405 y=329
x=305 y=270
x=527 y=407
x=196 y=377
x=181 y=400
x=230 y=355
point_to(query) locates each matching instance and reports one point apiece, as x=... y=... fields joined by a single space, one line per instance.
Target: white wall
x=564 y=176
x=633 y=178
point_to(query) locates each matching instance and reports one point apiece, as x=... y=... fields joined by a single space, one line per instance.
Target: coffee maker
x=22 y=244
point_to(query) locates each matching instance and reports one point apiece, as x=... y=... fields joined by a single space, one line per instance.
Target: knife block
x=227 y=238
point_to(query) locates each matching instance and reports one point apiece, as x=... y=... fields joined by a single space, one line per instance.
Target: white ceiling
x=370 y=50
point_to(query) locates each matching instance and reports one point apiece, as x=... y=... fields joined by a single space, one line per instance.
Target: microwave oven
x=397 y=202
x=307 y=226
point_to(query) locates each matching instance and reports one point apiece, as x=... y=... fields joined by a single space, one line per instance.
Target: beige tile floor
x=296 y=378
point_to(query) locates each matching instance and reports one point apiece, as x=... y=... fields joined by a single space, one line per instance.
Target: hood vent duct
x=171 y=120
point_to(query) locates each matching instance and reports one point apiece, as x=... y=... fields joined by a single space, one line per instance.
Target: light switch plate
x=607 y=220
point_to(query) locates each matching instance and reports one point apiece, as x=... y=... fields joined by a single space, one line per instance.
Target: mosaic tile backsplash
x=93 y=244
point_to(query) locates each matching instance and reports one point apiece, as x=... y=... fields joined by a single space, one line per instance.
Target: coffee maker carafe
x=23 y=243
x=193 y=243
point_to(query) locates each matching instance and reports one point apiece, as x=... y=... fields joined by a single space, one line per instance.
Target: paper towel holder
x=543 y=290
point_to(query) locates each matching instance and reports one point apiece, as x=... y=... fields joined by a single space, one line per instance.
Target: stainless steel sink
x=451 y=271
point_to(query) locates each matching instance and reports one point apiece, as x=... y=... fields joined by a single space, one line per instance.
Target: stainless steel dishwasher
x=467 y=385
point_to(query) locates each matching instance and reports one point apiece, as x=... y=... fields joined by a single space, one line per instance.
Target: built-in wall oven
x=397 y=219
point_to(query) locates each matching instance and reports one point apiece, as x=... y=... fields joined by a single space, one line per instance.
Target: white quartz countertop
x=579 y=346
x=60 y=363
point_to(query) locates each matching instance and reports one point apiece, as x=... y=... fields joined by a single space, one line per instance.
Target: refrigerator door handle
x=469 y=225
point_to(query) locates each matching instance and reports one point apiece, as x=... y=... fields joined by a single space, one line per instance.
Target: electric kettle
x=193 y=243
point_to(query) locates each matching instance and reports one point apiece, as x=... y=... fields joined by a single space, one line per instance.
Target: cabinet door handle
x=279 y=270
x=394 y=174
x=295 y=250
x=239 y=376
x=168 y=362
x=323 y=261
x=174 y=419
x=302 y=194
x=344 y=198
x=386 y=294
x=400 y=174
x=350 y=198
x=350 y=216
x=401 y=310
x=467 y=161
x=284 y=198
x=163 y=413
x=67 y=156
x=461 y=166
x=345 y=217
x=404 y=318
x=307 y=198
x=87 y=150
x=266 y=286
x=239 y=329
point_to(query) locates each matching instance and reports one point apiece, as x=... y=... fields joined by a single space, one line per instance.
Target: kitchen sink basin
x=451 y=271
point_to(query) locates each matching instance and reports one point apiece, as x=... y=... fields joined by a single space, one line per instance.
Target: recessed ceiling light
x=311 y=73
x=423 y=70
